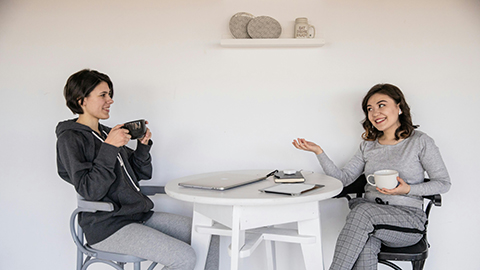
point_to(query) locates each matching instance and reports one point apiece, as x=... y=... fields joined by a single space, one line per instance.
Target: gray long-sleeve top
x=411 y=157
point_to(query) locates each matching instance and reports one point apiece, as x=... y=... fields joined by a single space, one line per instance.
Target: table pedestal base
x=248 y=226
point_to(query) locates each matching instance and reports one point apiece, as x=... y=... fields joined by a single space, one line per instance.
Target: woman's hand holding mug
x=401 y=189
x=388 y=182
x=146 y=137
x=118 y=136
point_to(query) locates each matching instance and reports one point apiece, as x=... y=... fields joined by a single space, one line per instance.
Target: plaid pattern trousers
x=359 y=244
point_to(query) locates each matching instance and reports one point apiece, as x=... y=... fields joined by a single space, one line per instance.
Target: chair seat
x=112 y=256
x=416 y=252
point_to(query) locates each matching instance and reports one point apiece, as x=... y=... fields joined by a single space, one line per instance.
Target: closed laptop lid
x=222 y=181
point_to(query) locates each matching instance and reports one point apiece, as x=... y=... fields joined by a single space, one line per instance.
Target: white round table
x=243 y=213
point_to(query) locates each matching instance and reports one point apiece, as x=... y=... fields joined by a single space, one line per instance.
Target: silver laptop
x=222 y=181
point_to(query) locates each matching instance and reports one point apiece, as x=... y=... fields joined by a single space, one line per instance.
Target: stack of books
x=283 y=177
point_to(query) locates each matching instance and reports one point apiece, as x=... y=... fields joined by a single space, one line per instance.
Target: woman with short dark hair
x=390 y=142
x=96 y=161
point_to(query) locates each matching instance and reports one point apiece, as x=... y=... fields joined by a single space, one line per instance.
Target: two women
x=390 y=142
x=96 y=161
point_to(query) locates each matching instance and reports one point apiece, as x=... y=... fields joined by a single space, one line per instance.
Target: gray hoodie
x=103 y=172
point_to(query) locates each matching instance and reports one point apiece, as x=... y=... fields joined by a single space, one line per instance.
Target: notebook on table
x=291 y=189
x=289 y=177
x=222 y=181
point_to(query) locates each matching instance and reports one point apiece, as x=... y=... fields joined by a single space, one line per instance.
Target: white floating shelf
x=272 y=42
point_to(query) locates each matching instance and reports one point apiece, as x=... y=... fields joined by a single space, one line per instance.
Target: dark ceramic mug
x=136 y=129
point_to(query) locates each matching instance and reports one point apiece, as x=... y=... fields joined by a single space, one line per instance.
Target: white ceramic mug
x=384 y=179
x=303 y=29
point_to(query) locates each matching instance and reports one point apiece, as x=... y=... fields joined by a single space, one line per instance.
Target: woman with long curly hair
x=391 y=141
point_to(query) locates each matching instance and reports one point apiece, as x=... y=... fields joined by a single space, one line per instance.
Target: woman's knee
x=189 y=258
x=184 y=259
x=176 y=226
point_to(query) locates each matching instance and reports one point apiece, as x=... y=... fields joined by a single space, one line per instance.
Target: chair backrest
x=357 y=187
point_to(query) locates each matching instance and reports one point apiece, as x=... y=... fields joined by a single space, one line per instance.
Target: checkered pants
x=358 y=244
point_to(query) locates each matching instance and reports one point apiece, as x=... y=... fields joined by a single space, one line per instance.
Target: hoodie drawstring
x=119 y=157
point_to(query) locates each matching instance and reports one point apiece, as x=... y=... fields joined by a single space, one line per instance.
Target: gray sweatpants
x=358 y=244
x=164 y=238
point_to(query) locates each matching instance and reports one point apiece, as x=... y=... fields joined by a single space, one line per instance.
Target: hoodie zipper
x=122 y=164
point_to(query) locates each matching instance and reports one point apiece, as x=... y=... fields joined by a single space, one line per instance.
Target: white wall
x=213 y=108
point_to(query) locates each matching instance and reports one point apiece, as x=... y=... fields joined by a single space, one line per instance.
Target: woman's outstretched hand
x=401 y=189
x=118 y=136
x=146 y=137
x=303 y=144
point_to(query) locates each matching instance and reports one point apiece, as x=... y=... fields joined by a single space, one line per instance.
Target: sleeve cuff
x=414 y=190
x=322 y=156
x=143 y=150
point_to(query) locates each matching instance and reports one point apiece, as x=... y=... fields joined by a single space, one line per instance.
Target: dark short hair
x=79 y=85
x=406 y=127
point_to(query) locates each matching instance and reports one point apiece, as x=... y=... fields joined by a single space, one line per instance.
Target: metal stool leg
x=390 y=264
x=418 y=265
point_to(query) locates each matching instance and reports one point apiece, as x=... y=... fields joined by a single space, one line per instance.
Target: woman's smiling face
x=383 y=113
x=97 y=104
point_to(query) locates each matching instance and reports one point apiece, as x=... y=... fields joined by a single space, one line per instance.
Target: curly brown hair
x=406 y=127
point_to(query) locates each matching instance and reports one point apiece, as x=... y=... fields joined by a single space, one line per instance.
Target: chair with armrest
x=416 y=254
x=87 y=255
